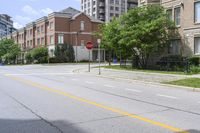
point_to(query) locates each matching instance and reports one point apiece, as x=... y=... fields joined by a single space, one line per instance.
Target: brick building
x=68 y=26
x=186 y=15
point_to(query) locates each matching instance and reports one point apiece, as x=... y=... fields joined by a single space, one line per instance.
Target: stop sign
x=89 y=45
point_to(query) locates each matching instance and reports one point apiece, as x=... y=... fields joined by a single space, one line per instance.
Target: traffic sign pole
x=89 y=46
x=89 y=62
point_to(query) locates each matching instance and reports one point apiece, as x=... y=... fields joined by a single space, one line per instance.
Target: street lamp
x=99 y=52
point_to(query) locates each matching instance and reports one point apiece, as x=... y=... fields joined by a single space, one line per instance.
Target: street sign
x=89 y=45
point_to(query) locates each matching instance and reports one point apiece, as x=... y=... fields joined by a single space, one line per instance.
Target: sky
x=25 y=11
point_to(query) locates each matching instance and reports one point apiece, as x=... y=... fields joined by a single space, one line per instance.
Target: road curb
x=134 y=80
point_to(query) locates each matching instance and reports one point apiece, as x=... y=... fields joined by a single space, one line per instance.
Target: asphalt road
x=53 y=99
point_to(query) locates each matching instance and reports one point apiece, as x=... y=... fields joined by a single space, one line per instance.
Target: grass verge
x=189 y=82
x=129 y=68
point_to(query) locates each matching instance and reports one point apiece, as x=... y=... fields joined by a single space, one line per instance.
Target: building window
x=111 y=14
x=175 y=47
x=38 y=41
x=111 y=1
x=116 y=8
x=51 y=40
x=31 y=32
x=60 y=39
x=28 y=44
x=42 y=29
x=197 y=45
x=82 y=26
x=111 y=7
x=197 y=12
x=42 y=41
x=31 y=43
x=169 y=14
x=38 y=30
x=177 y=16
x=51 y=25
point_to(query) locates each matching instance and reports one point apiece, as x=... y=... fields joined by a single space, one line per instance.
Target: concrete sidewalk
x=134 y=75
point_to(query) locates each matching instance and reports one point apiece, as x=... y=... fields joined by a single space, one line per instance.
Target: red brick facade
x=58 y=27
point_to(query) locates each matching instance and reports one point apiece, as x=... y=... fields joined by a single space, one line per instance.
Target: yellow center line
x=121 y=112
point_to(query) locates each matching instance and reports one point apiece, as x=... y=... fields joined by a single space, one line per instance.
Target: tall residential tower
x=104 y=10
x=6 y=25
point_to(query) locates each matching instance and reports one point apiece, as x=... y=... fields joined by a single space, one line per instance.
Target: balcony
x=101 y=11
x=101 y=4
x=102 y=18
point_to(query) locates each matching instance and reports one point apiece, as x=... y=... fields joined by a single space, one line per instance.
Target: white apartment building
x=105 y=10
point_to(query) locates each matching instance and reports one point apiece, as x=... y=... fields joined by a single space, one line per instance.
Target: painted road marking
x=121 y=112
x=133 y=90
x=89 y=82
x=110 y=86
x=75 y=79
x=166 y=96
x=37 y=74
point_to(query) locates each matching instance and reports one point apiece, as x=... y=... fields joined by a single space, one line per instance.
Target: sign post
x=99 y=52
x=89 y=46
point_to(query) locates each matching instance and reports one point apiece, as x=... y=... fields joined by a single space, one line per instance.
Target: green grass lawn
x=190 y=82
x=129 y=68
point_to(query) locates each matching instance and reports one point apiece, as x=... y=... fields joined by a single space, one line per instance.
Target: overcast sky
x=25 y=11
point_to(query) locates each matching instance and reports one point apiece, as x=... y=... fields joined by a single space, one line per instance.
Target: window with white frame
x=42 y=41
x=51 y=25
x=197 y=45
x=197 y=12
x=177 y=16
x=82 y=26
x=175 y=47
x=42 y=29
x=51 y=39
x=38 y=30
x=38 y=41
x=60 y=39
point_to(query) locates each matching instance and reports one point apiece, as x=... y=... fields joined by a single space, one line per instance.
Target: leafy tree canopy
x=140 y=33
x=9 y=50
x=40 y=54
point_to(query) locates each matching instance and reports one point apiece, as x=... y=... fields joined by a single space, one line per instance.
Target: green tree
x=110 y=35
x=141 y=33
x=29 y=57
x=64 y=53
x=40 y=54
x=9 y=50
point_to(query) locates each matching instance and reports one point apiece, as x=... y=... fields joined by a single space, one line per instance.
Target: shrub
x=173 y=63
x=54 y=60
x=194 y=61
x=194 y=70
x=40 y=54
x=28 y=57
x=64 y=53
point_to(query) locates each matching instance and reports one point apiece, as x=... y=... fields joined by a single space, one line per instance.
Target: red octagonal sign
x=89 y=45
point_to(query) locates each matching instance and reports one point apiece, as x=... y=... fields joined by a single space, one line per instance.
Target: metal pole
x=89 y=62
x=99 y=56
x=76 y=47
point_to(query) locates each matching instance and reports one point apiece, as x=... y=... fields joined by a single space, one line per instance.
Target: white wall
x=82 y=53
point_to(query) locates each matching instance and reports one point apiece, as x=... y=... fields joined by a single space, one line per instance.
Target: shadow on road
x=37 y=126
x=191 y=131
